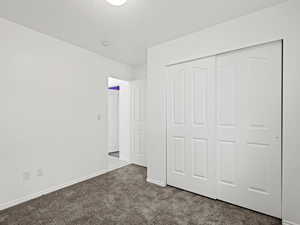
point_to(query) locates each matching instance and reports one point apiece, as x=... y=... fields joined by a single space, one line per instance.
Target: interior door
x=138 y=152
x=190 y=127
x=248 y=84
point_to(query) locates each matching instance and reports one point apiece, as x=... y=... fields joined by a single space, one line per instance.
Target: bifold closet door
x=248 y=129
x=190 y=127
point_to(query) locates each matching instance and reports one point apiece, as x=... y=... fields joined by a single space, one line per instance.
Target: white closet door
x=113 y=120
x=138 y=152
x=249 y=128
x=190 y=127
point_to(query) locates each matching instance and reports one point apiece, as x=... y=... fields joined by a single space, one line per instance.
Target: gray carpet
x=124 y=197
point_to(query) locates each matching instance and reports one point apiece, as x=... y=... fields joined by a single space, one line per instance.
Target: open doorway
x=118 y=93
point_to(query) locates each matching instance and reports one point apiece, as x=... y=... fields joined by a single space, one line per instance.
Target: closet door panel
x=190 y=132
x=262 y=125
x=224 y=127
x=249 y=83
x=228 y=130
x=177 y=126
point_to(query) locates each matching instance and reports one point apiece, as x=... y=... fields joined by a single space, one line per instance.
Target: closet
x=224 y=127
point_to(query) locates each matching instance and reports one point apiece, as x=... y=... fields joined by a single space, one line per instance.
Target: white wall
x=51 y=94
x=279 y=22
x=124 y=116
x=139 y=72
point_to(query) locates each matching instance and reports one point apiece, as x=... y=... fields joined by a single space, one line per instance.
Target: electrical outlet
x=40 y=172
x=99 y=117
x=26 y=176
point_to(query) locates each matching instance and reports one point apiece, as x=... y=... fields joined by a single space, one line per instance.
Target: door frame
x=165 y=103
x=106 y=117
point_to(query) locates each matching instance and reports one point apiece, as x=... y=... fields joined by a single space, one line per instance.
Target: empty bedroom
x=138 y=112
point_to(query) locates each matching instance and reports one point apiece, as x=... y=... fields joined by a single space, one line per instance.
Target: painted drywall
x=53 y=113
x=279 y=22
x=139 y=72
x=124 y=116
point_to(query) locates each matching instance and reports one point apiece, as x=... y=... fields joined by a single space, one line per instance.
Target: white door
x=113 y=120
x=124 y=121
x=224 y=127
x=249 y=128
x=190 y=127
x=138 y=152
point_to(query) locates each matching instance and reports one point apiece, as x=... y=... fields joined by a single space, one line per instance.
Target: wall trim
x=139 y=163
x=50 y=190
x=286 y=222
x=157 y=182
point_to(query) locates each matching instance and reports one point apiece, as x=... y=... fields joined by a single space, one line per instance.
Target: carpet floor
x=124 y=197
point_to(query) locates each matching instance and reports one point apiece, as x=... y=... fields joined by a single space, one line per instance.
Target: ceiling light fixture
x=116 y=2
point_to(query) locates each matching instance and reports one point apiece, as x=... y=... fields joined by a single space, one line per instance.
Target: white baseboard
x=49 y=190
x=157 y=182
x=286 y=222
x=139 y=163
